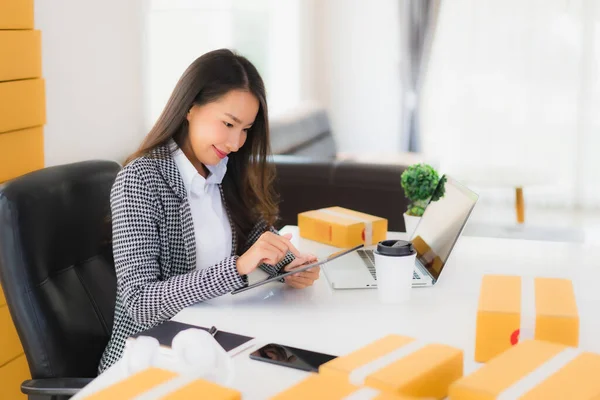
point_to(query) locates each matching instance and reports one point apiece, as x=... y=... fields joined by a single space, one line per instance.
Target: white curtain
x=515 y=84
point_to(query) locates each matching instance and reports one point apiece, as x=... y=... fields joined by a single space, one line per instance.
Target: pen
x=213 y=331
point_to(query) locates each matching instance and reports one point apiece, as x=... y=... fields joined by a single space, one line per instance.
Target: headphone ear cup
x=141 y=354
x=195 y=350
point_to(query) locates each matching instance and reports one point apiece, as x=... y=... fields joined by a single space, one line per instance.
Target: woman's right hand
x=270 y=248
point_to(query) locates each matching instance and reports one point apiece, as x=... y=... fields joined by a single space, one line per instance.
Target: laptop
x=434 y=238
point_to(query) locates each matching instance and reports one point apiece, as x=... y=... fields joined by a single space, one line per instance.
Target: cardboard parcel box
x=21 y=55
x=512 y=308
x=341 y=227
x=22 y=104
x=400 y=365
x=157 y=383
x=318 y=387
x=16 y=14
x=533 y=370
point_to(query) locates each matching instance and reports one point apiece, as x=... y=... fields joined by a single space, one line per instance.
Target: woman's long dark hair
x=247 y=185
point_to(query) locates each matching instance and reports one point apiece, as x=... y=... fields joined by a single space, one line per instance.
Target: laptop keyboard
x=368 y=259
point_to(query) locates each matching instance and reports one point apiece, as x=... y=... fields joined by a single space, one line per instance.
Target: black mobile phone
x=292 y=357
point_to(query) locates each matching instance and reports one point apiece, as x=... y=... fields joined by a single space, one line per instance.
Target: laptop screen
x=441 y=225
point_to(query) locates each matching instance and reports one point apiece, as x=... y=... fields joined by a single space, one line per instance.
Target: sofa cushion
x=304 y=131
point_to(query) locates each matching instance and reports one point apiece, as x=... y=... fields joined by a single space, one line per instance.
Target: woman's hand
x=305 y=278
x=270 y=248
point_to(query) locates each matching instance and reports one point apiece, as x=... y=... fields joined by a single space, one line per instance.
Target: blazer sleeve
x=260 y=228
x=148 y=298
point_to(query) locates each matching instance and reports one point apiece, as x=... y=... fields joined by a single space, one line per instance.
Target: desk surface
x=337 y=322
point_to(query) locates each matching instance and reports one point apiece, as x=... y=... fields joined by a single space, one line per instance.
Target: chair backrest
x=56 y=265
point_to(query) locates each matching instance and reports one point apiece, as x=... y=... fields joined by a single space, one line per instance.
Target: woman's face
x=220 y=127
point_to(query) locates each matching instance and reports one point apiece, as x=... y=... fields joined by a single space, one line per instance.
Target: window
x=267 y=32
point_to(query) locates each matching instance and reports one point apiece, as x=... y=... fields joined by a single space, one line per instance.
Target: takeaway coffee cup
x=394 y=265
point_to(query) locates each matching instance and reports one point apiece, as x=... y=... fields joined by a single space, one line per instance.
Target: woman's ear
x=189 y=114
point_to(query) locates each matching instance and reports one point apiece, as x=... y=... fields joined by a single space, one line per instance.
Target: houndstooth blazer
x=155 y=253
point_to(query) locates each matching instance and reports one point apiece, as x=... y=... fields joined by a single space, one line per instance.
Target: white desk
x=338 y=322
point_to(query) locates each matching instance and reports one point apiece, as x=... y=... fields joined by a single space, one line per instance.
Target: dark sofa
x=310 y=177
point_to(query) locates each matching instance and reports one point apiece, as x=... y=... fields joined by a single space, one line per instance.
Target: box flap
x=555 y=297
x=345 y=364
x=500 y=294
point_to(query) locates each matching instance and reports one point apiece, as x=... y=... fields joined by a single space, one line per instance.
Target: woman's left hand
x=305 y=278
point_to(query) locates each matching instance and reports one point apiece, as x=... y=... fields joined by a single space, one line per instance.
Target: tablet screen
x=283 y=274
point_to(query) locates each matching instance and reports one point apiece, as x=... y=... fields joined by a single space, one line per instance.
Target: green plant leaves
x=440 y=190
x=419 y=182
x=415 y=211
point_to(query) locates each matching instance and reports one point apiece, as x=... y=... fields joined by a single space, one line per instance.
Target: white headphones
x=194 y=353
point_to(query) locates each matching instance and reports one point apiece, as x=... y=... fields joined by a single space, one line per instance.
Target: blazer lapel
x=164 y=161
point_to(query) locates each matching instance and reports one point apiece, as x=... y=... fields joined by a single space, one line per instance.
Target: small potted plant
x=419 y=182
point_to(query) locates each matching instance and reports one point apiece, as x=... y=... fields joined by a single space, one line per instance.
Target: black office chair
x=57 y=271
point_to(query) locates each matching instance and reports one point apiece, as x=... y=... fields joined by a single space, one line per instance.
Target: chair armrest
x=54 y=386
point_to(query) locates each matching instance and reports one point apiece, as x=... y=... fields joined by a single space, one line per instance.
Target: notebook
x=165 y=332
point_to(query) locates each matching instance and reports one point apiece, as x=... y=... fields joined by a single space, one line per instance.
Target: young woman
x=193 y=208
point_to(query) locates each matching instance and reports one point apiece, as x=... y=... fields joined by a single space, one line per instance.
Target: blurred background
x=501 y=94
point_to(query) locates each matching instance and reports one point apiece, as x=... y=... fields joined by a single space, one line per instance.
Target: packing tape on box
x=539 y=375
x=368 y=224
x=363 y=394
x=528 y=312
x=358 y=375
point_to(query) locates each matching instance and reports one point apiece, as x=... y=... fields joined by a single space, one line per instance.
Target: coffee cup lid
x=395 y=248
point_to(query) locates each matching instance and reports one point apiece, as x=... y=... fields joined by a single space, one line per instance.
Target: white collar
x=189 y=173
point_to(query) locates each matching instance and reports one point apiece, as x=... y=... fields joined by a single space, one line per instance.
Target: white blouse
x=211 y=224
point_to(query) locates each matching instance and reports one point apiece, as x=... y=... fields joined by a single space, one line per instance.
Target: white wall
x=92 y=59
x=284 y=78
x=268 y=32
x=99 y=68
x=357 y=71
x=178 y=32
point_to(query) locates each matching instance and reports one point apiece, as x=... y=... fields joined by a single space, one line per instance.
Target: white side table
x=515 y=178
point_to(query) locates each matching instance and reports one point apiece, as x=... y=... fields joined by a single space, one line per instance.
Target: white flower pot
x=411 y=223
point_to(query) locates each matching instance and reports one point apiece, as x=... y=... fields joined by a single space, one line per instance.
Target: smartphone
x=291 y=357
